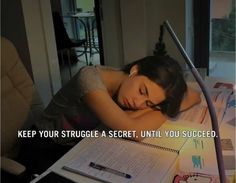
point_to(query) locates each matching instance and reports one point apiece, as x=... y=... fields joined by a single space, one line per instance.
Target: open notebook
x=127 y=161
x=141 y=163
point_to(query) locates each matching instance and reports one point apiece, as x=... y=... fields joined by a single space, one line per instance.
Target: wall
x=13 y=28
x=111 y=33
x=157 y=12
x=220 y=8
x=140 y=22
x=134 y=29
x=42 y=47
x=23 y=23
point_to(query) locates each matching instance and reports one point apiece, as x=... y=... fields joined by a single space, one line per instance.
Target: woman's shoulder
x=87 y=73
x=97 y=69
x=94 y=73
x=110 y=68
x=88 y=70
x=89 y=79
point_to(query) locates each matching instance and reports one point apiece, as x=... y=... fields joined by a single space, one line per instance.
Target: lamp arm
x=206 y=93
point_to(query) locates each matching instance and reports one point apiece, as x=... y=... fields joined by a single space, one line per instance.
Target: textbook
x=152 y=160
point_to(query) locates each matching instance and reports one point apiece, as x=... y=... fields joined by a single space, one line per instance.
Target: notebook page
x=172 y=136
x=143 y=163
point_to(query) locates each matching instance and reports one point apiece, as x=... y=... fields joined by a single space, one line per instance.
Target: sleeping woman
x=141 y=96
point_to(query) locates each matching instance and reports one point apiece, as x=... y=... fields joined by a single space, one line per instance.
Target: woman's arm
x=137 y=113
x=114 y=117
x=191 y=98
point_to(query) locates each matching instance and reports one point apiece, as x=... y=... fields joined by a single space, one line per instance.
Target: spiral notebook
x=124 y=161
x=152 y=160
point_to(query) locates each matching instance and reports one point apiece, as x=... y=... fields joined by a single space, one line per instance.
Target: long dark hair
x=167 y=73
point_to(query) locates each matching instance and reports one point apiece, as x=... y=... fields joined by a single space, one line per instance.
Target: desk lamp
x=206 y=93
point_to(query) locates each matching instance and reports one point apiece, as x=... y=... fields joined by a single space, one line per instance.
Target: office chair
x=65 y=45
x=21 y=106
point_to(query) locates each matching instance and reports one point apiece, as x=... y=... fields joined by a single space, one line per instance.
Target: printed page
x=198 y=155
x=214 y=82
x=219 y=97
x=142 y=163
x=229 y=116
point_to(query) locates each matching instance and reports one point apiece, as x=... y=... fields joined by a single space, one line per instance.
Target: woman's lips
x=127 y=104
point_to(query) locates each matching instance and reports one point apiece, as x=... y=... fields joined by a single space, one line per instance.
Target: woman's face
x=139 y=92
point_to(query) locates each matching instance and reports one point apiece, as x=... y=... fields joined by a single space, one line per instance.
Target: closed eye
x=143 y=90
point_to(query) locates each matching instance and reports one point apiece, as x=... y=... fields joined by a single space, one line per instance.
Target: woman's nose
x=140 y=103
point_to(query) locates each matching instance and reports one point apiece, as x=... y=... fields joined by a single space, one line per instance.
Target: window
x=222 y=39
x=222 y=25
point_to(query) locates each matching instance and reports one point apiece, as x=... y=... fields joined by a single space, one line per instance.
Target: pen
x=110 y=170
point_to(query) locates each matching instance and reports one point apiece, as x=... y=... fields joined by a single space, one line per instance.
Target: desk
x=87 y=18
x=57 y=167
x=227 y=131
